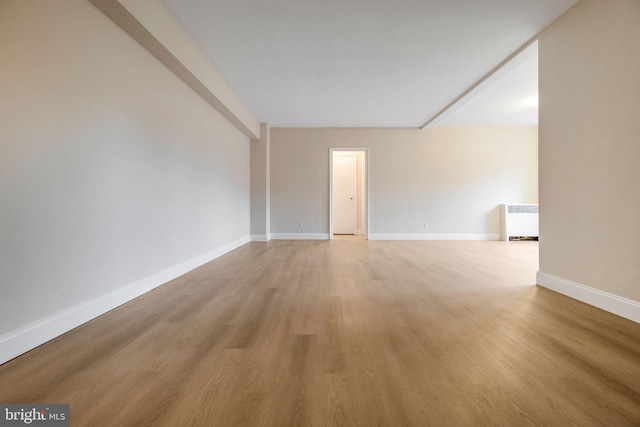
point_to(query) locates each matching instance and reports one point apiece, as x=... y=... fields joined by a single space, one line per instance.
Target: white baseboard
x=623 y=307
x=260 y=237
x=300 y=236
x=28 y=337
x=434 y=236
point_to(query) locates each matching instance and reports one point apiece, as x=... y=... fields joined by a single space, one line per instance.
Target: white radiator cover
x=518 y=220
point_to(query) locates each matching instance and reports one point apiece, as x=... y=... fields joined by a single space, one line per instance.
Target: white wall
x=112 y=170
x=451 y=178
x=590 y=151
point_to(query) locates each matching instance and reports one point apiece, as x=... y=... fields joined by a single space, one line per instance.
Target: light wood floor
x=348 y=332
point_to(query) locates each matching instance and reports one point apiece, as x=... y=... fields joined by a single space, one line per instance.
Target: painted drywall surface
x=360 y=193
x=453 y=179
x=260 y=185
x=111 y=168
x=589 y=147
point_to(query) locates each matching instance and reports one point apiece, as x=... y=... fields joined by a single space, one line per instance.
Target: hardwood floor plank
x=345 y=333
x=292 y=402
x=337 y=404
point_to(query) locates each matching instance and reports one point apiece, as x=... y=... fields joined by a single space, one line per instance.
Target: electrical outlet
x=425 y=225
x=300 y=224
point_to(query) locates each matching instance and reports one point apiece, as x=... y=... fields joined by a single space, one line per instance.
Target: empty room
x=305 y=213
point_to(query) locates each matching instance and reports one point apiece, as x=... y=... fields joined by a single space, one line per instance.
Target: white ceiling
x=507 y=98
x=355 y=63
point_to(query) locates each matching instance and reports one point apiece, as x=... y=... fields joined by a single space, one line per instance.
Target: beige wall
x=590 y=146
x=111 y=168
x=260 y=198
x=360 y=192
x=451 y=178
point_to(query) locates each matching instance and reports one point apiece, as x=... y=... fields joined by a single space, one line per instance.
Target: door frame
x=366 y=187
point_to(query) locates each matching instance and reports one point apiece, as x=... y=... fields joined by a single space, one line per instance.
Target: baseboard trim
x=491 y=237
x=260 y=237
x=300 y=236
x=623 y=307
x=28 y=337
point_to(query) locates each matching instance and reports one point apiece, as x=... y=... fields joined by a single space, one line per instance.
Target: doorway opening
x=348 y=192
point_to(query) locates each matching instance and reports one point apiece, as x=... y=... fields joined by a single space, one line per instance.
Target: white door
x=344 y=193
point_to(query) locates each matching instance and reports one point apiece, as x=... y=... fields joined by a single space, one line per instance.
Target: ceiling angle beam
x=121 y=16
x=482 y=80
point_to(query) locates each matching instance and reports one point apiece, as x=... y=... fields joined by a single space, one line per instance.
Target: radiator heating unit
x=518 y=222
